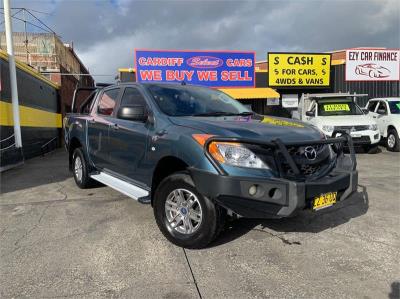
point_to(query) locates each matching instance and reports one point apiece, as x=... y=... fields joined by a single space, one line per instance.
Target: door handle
x=115 y=127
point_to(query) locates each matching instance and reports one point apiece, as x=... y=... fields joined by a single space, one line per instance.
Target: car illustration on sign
x=372 y=70
x=205 y=62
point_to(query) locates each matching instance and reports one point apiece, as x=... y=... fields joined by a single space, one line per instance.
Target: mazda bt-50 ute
x=197 y=156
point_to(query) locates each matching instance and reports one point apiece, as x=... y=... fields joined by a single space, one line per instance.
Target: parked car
x=339 y=111
x=372 y=70
x=197 y=155
x=386 y=112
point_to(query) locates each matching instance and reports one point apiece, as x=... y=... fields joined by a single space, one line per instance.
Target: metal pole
x=26 y=38
x=13 y=73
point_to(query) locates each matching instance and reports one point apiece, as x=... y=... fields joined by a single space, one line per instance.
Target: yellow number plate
x=324 y=200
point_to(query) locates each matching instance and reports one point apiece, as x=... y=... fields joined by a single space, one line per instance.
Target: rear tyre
x=81 y=170
x=184 y=216
x=392 y=141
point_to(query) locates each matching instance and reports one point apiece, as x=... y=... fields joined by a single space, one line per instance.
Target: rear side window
x=131 y=97
x=107 y=102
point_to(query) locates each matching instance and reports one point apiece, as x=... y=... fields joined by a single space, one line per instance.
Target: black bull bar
x=338 y=145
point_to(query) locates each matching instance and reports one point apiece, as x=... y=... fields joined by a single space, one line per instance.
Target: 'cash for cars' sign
x=372 y=65
x=299 y=70
x=208 y=68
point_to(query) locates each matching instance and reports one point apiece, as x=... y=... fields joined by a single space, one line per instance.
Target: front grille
x=361 y=139
x=352 y=128
x=308 y=168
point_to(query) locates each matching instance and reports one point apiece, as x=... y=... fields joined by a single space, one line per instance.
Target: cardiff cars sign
x=208 y=68
x=305 y=70
x=372 y=65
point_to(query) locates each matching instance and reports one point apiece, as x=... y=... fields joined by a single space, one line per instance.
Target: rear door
x=98 y=127
x=128 y=140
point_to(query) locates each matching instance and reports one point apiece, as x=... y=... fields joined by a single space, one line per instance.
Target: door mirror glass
x=381 y=111
x=310 y=113
x=133 y=112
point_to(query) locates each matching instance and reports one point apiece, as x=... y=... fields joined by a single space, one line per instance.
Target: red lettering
x=152 y=75
x=207 y=75
x=235 y=76
x=171 y=75
x=239 y=62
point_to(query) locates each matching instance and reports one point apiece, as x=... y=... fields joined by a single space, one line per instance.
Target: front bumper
x=275 y=197
x=365 y=137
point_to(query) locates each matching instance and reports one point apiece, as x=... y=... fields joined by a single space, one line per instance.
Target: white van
x=339 y=111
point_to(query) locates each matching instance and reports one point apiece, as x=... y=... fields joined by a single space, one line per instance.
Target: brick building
x=46 y=53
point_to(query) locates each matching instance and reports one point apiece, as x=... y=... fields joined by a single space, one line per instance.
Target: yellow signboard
x=336 y=107
x=299 y=70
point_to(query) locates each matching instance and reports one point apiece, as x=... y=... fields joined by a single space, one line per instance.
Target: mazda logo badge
x=310 y=153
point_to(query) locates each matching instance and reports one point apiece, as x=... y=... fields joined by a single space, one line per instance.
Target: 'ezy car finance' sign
x=208 y=68
x=372 y=65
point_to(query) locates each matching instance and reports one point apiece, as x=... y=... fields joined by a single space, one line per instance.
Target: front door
x=382 y=117
x=98 y=127
x=128 y=140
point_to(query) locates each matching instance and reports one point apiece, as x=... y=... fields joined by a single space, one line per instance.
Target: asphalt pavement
x=57 y=240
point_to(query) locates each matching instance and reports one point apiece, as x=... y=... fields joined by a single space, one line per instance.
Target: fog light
x=253 y=190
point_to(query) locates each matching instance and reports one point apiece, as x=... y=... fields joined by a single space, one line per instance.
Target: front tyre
x=80 y=169
x=184 y=216
x=392 y=141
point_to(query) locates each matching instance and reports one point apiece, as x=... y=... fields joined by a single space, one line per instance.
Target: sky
x=105 y=33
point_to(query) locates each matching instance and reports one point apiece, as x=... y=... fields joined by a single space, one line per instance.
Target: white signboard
x=290 y=101
x=372 y=65
x=273 y=102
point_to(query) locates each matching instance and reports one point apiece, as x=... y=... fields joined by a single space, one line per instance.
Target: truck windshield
x=195 y=101
x=338 y=107
x=394 y=107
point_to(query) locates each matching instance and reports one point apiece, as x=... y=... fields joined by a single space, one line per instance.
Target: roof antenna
x=183 y=82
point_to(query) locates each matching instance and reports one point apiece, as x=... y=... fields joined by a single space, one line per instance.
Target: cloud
x=105 y=33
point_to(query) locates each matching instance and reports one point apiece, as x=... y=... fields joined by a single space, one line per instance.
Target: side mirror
x=365 y=110
x=310 y=113
x=381 y=111
x=133 y=112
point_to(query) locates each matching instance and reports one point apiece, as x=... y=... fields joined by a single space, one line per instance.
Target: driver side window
x=382 y=109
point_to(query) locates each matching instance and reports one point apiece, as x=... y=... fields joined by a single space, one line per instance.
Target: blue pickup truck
x=198 y=156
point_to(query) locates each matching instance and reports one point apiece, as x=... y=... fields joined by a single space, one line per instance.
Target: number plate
x=355 y=135
x=324 y=200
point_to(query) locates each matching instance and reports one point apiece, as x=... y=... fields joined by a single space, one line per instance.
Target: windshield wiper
x=223 y=113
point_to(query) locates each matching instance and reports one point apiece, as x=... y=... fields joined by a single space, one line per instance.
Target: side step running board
x=124 y=187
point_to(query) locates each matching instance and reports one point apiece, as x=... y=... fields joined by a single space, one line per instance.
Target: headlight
x=230 y=153
x=236 y=154
x=373 y=127
x=328 y=128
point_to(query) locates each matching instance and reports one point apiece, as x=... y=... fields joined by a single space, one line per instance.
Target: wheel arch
x=388 y=128
x=165 y=167
x=73 y=144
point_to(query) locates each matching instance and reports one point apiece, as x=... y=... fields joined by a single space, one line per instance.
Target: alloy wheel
x=78 y=169
x=391 y=141
x=183 y=211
